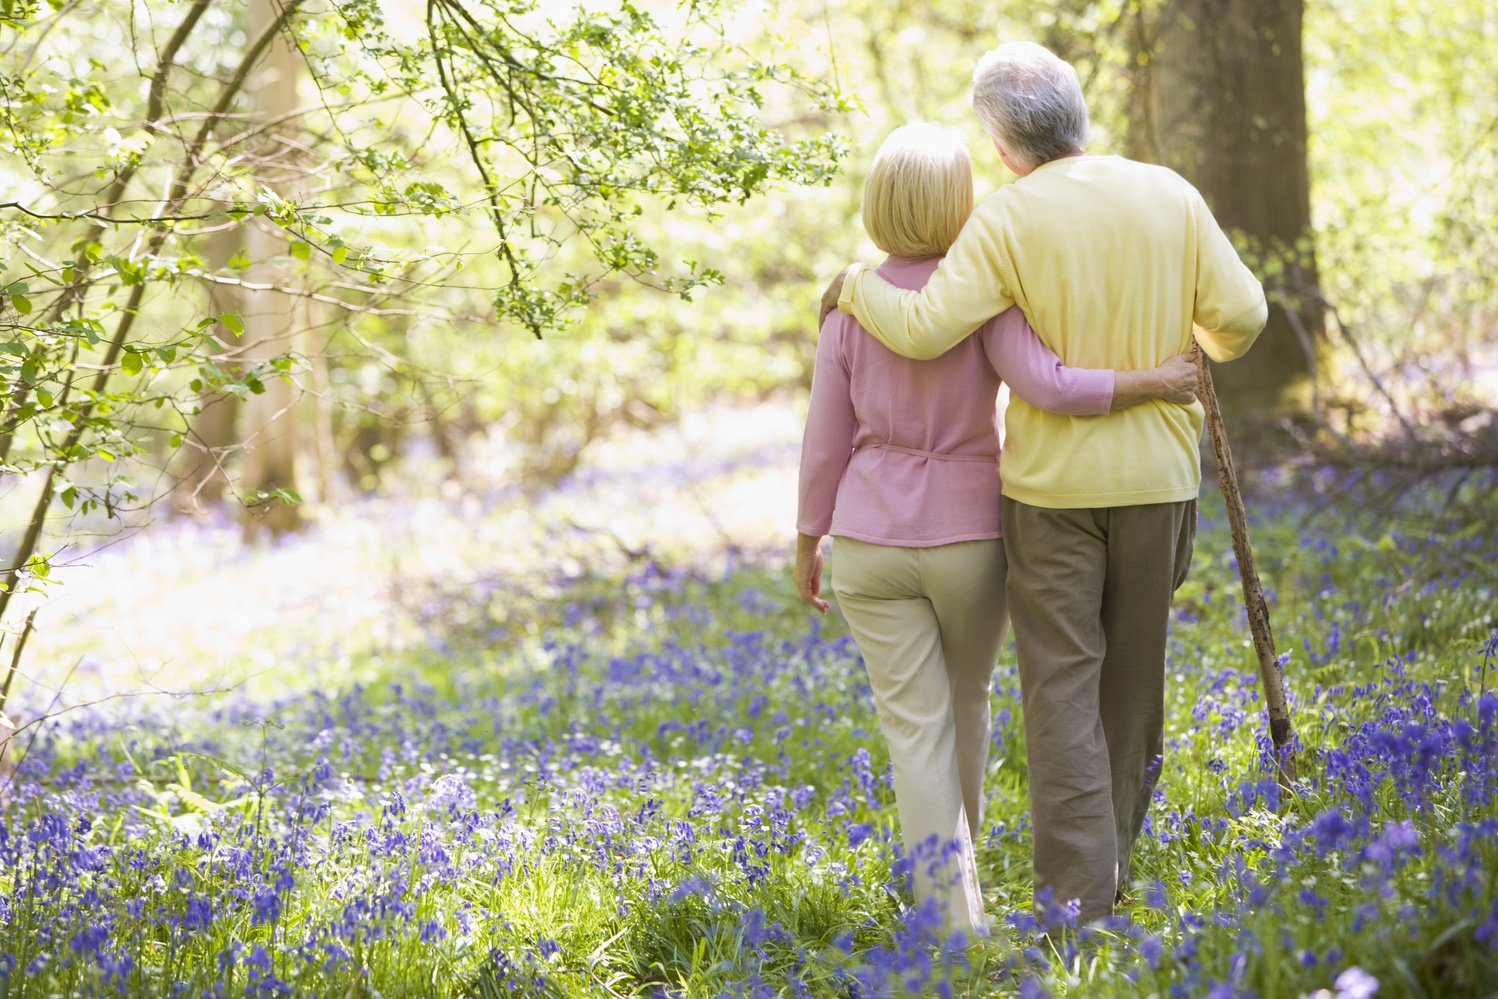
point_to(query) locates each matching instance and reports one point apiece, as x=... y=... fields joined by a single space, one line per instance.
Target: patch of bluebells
x=1406 y=824
x=702 y=775
x=366 y=812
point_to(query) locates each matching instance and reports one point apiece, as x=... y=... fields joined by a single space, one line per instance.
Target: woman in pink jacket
x=900 y=463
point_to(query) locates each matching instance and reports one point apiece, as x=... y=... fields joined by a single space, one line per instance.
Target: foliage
x=563 y=135
x=671 y=782
x=579 y=128
x=455 y=179
x=1400 y=156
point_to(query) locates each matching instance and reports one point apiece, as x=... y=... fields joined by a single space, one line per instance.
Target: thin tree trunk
x=322 y=453
x=202 y=476
x=270 y=426
x=8 y=724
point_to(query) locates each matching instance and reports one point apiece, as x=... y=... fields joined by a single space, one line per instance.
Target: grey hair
x=1030 y=100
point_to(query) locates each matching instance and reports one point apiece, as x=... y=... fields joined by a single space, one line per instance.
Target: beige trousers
x=1091 y=591
x=929 y=622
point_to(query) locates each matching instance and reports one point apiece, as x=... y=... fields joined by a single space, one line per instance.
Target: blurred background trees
x=1220 y=97
x=269 y=252
x=239 y=234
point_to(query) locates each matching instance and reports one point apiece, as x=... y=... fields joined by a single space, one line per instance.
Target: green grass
x=672 y=782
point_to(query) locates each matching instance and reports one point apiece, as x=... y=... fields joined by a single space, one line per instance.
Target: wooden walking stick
x=1280 y=732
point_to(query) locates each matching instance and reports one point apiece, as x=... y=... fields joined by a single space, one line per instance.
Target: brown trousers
x=1089 y=595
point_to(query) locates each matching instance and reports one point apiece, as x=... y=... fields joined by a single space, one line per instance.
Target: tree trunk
x=272 y=320
x=202 y=475
x=1219 y=96
x=322 y=455
x=269 y=426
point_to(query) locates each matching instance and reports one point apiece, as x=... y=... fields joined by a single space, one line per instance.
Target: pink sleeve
x=1036 y=374
x=827 y=443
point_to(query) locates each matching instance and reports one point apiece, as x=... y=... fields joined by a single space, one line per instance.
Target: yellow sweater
x=1113 y=262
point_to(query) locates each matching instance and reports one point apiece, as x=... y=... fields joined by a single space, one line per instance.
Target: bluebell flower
x=258 y=959
x=266 y=906
x=89 y=941
x=1355 y=983
x=1031 y=988
x=1331 y=830
x=199 y=914
x=1056 y=914
x=1392 y=846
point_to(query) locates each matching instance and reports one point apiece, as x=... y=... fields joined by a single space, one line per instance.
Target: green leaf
x=131 y=362
x=260 y=497
x=22 y=304
x=233 y=323
x=301 y=250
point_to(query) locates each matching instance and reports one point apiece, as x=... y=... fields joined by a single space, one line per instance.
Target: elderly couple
x=1085 y=260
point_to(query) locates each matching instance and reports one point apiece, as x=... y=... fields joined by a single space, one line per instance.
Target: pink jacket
x=906 y=453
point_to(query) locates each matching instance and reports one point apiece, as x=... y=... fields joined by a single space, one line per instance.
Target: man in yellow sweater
x=1117 y=264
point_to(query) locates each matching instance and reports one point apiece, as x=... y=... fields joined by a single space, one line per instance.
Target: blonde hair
x=919 y=191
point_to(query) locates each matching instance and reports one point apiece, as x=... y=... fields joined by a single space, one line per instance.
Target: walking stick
x=1280 y=732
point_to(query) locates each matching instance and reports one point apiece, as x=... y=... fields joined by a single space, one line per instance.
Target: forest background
x=284 y=242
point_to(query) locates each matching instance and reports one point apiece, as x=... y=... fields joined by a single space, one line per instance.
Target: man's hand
x=808 y=571
x=831 y=295
x=1178 y=379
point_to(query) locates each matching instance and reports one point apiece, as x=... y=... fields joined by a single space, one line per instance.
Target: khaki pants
x=1090 y=591
x=929 y=622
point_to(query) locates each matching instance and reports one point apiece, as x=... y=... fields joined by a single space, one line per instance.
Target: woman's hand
x=1178 y=379
x=808 y=571
x=1175 y=381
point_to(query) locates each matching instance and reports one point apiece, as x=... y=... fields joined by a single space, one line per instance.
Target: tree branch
x=131 y=311
x=496 y=214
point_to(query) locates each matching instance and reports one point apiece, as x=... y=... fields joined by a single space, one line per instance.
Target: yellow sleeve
x=1230 y=307
x=970 y=287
